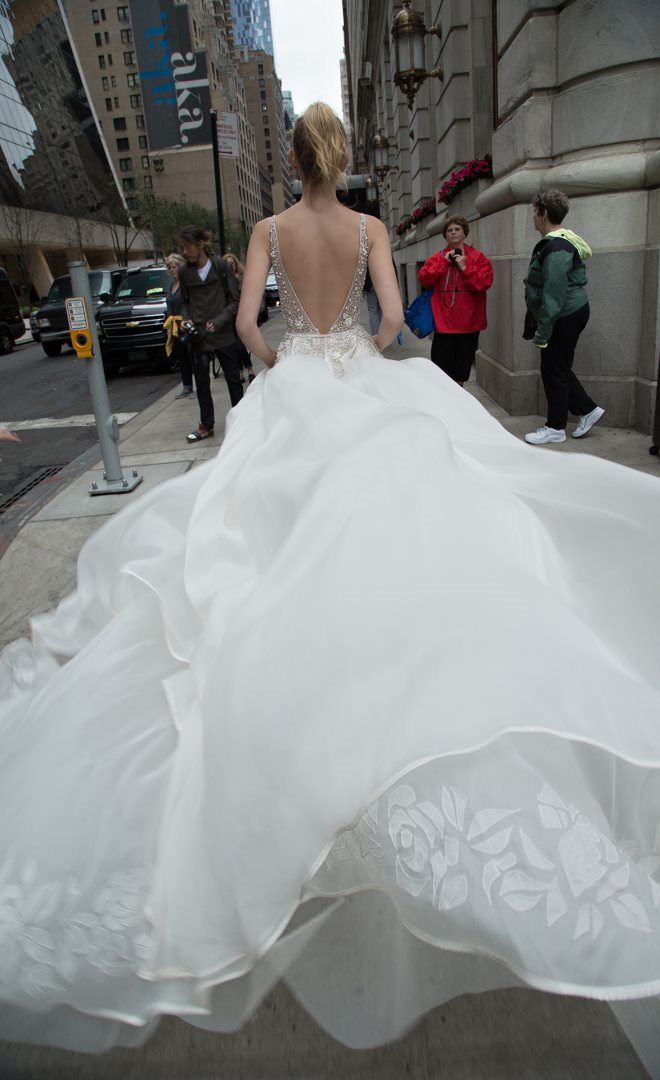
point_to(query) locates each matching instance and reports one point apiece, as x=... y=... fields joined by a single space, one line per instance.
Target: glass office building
x=251 y=24
x=52 y=156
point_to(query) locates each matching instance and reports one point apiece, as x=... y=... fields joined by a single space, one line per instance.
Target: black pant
x=563 y=389
x=454 y=354
x=229 y=364
x=182 y=353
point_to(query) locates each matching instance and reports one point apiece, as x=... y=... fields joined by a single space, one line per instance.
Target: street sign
x=228 y=143
x=76 y=313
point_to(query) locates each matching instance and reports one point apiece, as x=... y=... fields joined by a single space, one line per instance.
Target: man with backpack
x=209 y=302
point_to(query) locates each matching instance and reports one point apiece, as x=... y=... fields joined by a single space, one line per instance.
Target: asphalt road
x=34 y=387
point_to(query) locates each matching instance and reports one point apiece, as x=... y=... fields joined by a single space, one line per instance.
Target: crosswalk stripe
x=85 y=420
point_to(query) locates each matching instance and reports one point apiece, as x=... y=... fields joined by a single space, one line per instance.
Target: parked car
x=12 y=326
x=51 y=322
x=272 y=290
x=131 y=324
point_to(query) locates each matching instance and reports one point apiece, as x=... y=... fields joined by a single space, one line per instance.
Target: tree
x=22 y=227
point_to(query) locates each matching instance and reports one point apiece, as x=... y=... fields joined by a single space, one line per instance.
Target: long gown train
x=370 y=702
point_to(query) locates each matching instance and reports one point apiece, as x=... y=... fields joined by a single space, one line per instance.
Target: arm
x=254 y=282
x=432 y=270
x=479 y=276
x=185 y=296
x=556 y=267
x=383 y=277
x=228 y=314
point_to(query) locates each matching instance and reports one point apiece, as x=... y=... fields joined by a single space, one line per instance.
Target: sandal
x=201 y=433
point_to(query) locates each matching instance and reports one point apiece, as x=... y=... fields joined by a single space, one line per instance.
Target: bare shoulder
x=376 y=230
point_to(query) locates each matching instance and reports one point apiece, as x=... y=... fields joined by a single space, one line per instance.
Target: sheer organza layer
x=370 y=703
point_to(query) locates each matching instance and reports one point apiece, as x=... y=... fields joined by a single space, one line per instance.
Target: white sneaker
x=586 y=423
x=545 y=434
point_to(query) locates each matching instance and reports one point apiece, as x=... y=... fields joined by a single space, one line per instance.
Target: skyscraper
x=252 y=28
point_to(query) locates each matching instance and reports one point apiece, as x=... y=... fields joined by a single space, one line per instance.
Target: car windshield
x=61 y=288
x=145 y=283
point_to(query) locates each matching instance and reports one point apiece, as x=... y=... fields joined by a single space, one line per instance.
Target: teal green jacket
x=556 y=279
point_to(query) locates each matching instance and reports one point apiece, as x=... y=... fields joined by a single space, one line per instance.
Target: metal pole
x=218 y=180
x=114 y=480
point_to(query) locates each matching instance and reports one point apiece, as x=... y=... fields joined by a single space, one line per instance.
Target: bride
x=369 y=703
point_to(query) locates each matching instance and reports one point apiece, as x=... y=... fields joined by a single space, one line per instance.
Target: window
x=104 y=83
x=122 y=13
x=128 y=183
x=143 y=142
x=97 y=39
x=266 y=121
x=267 y=144
x=125 y=164
x=116 y=100
x=127 y=37
x=263 y=95
x=264 y=108
x=108 y=104
x=139 y=121
x=129 y=57
x=132 y=79
x=119 y=123
x=262 y=82
x=260 y=69
x=123 y=144
x=113 y=80
x=102 y=14
x=136 y=102
x=95 y=17
x=101 y=60
x=270 y=169
x=145 y=161
x=106 y=37
x=109 y=59
x=148 y=183
x=269 y=157
x=267 y=132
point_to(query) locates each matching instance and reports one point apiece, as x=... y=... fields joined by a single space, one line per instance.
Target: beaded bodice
x=301 y=334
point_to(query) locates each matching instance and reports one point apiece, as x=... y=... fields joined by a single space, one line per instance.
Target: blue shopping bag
x=419 y=317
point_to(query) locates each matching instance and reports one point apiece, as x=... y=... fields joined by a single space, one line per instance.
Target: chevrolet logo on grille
x=130 y=325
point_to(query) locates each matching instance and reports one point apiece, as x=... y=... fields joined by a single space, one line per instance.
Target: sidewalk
x=39 y=566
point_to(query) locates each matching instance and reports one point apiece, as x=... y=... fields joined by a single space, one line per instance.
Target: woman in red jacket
x=460 y=276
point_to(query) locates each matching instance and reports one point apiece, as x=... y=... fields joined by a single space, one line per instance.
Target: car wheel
x=6 y=342
x=52 y=348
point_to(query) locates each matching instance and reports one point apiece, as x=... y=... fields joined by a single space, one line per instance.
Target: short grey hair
x=555 y=204
x=174 y=257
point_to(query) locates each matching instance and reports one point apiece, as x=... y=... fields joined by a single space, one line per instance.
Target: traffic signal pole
x=218 y=181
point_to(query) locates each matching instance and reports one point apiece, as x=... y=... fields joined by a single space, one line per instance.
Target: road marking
x=86 y=420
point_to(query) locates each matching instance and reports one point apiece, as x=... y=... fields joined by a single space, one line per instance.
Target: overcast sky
x=308 y=41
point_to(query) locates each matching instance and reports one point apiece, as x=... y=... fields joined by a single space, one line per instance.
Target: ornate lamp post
x=408 y=31
x=381 y=149
x=372 y=191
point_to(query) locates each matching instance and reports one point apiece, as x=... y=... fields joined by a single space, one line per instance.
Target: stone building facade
x=265 y=106
x=562 y=95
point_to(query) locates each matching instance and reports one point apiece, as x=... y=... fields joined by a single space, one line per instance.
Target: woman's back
x=319 y=249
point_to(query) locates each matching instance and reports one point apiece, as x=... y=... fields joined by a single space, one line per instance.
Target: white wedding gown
x=370 y=702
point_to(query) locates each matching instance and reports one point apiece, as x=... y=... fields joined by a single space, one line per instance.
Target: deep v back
x=297 y=319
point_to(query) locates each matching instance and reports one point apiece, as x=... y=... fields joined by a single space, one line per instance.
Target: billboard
x=175 y=87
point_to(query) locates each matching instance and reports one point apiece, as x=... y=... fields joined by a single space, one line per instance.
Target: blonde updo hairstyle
x=320 y=146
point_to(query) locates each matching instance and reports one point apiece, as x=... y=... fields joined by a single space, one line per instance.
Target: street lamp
x=408 y=31
x=381 y=149
x=372 y=191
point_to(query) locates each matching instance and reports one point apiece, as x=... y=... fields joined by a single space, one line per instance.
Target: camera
x=189 y=334
x=454 y=255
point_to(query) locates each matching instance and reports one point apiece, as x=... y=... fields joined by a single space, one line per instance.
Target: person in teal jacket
x=557 y=313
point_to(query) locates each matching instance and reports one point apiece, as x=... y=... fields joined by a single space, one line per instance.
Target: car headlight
x=43 y=324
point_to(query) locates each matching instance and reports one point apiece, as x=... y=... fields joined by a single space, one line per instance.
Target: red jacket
x=458 y=302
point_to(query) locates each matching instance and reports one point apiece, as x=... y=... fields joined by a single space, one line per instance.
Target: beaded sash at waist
x=336 y=348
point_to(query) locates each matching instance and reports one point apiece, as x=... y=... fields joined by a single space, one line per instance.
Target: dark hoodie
x=556 y=279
